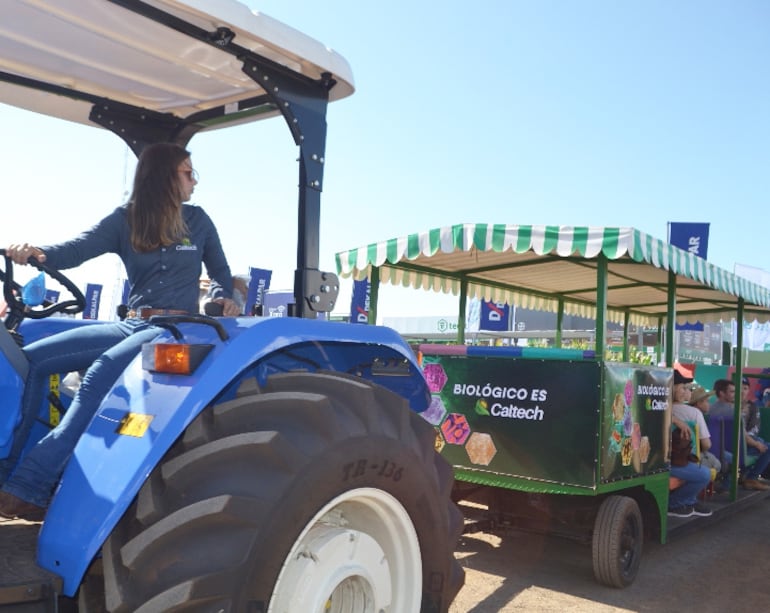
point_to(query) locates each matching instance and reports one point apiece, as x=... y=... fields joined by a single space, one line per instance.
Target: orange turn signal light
x=173 y=358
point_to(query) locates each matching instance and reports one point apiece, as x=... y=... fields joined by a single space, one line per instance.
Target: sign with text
x=259 y=283
x=93 y=297
x=495 y=316
x=636 y=418
x=521 y=418
x=359 y=303
x=692 y=237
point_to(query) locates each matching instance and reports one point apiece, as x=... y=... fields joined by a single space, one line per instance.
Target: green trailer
x=553 y=439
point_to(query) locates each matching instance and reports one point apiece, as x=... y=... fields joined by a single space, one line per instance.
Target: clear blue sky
x=501 y=111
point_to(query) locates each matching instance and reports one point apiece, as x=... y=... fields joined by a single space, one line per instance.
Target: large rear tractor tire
x=320 y=493
x=617 y=541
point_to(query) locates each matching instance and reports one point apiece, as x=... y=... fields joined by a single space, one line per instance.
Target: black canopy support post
x=303 y=103
x=140 y=127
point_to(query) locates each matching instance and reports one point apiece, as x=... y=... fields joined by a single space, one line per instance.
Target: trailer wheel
x=617 y=541
x=320 y=492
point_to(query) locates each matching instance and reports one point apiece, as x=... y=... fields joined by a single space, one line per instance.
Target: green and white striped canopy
x=539 y=267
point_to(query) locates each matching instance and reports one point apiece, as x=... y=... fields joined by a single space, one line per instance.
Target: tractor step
x=24 y=586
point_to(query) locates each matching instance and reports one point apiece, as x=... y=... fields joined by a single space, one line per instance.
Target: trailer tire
x=322 y=476
x=617 y=541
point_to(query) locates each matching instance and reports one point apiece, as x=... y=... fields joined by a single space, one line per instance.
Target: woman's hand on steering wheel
x=20 y=254
x=12 y=291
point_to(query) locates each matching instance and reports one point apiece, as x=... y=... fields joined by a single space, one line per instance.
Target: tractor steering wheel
x=17 y=310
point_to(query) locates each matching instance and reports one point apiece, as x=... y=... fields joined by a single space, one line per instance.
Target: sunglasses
x=191 y=174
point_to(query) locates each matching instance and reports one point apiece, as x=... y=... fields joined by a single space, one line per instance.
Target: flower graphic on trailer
x=435 y=413
x=455 y=429
x=435 y=376
x=628 y=392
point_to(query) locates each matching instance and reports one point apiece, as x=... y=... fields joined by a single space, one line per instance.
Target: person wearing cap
x=755 y=445
x=699 y=398
x=683 y=501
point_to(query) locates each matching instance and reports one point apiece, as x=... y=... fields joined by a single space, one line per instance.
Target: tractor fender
x=144 y=413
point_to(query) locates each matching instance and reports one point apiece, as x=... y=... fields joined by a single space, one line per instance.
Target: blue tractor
x=239 y=464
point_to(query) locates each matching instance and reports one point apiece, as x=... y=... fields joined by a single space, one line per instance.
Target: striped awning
x=541 y=267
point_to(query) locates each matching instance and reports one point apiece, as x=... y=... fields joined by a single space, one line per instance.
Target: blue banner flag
x=495 y=316
x=51 y=296
x=277 y=303
x=93 y=297
x=359 y=303
x=259 y=283
x=692 y=237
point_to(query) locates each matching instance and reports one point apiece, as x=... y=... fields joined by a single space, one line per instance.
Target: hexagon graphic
x=438 y=444
x=436 y=412
x=435 y=376
x=455 y=429
x=480 y=448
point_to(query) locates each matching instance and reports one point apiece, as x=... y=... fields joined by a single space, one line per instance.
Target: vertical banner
x=259 y=283
x=359 y=303
x=495 y=316
x=692 y=237
x=125 y=292
x=93 y=297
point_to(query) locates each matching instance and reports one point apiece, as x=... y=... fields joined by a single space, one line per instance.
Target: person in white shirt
x=683 y=501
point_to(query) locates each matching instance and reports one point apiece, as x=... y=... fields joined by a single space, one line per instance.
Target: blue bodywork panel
x=108 y=469
x=11 y=389
x=11 y=383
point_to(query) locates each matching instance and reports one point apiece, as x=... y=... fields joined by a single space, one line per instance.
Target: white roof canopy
x=543 y=267
x=150 y=63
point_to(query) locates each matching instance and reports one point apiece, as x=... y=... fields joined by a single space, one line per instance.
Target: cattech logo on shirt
x=186 y=245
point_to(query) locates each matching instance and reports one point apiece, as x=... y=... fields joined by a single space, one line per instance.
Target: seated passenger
x=724 y=405
x=755 y=445
x=683 y=501
x=699 y=398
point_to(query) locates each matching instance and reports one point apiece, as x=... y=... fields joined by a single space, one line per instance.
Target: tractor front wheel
x=318 y=493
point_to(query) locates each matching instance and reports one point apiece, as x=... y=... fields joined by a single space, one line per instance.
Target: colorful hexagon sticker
x=455 y=429
x=436 y=412
x=438 y=444
x=480 y=448
x=435 y=376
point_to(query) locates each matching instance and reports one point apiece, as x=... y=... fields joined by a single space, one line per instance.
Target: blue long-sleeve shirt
x=164 y=278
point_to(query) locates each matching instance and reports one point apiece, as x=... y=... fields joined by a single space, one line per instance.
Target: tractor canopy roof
x=178 y=61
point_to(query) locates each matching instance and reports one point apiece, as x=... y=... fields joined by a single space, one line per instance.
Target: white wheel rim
x=359 y=554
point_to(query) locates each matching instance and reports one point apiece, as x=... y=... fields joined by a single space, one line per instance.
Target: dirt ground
x=722 y=567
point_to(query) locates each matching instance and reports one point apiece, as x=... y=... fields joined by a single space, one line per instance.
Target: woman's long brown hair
x=155 y=206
